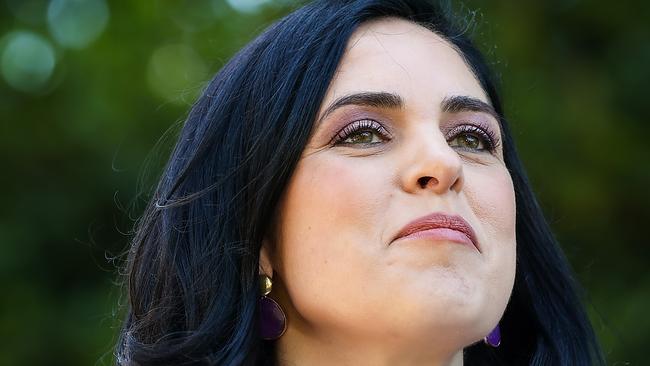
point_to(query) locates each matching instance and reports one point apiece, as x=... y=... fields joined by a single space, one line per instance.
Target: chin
x=465 y=316
x=452 y=330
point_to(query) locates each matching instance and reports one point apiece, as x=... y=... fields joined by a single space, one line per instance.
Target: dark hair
x=193 y=264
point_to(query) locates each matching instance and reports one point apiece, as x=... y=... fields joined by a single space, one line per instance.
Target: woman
x=354 y=162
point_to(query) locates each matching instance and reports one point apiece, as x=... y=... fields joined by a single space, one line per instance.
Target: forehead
x=395 y=55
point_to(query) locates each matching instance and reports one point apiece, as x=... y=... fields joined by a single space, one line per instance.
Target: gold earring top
x=265 y=284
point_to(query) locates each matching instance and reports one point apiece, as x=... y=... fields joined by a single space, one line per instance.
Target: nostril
x=424 y=181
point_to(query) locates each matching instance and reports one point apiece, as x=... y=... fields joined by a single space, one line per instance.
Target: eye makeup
x=351 y=119
x=483 y=130
x=377 y=127
x=364 y=125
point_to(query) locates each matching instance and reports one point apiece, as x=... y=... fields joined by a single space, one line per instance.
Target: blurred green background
x=87 y=89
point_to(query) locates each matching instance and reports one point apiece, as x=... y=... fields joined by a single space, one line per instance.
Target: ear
x=265 y=266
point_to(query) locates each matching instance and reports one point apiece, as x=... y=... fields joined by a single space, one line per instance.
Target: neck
x=295 y=348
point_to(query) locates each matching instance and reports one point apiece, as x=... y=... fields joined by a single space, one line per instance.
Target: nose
x=432 y=165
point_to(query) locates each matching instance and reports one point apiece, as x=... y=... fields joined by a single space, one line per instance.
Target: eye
x=468 y=141
x=362 y=132
x=470 y=137
x=362 y=137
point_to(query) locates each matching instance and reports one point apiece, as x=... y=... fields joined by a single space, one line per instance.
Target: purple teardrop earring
x=273 y=322
x=494 y=338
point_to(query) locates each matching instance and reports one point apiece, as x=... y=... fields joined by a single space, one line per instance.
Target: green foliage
x=76 y=138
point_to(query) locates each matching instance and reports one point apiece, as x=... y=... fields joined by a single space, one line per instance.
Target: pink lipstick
x=438 y=226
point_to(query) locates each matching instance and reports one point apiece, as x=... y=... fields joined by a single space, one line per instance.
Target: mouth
x=440 y=227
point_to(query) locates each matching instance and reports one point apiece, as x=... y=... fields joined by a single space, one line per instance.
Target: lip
x=439 y=226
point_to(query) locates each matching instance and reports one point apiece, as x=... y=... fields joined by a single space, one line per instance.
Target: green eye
x=362 y=137
x=467 y=141
x=362 y=132
x=472 y=138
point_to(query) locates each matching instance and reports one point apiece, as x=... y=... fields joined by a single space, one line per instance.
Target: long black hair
x=193 y=264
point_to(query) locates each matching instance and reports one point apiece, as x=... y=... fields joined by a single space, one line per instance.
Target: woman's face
x=405 y=131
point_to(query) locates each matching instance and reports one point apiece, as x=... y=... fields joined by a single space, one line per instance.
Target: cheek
x=333 y=196
x=491 y=197
x=328 y=232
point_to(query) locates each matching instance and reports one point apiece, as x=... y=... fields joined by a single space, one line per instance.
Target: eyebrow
x=450 y=104
x=462 y=103
x=368 y=99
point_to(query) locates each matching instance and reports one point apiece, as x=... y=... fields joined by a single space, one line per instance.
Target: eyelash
x=358 y=126
x=484 y=132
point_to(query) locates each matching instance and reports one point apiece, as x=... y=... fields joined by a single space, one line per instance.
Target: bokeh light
x=247 y=6
x=76 y=23
x=28 y=61
x=176 y=72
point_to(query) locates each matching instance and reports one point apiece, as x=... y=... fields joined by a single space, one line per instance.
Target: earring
x=273 y=322
x=494 y=338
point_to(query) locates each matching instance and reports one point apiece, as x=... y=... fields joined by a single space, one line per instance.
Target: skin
x=353 y=295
